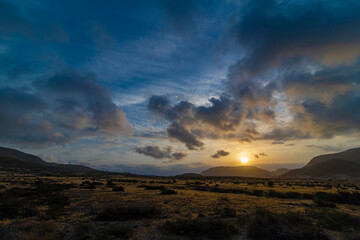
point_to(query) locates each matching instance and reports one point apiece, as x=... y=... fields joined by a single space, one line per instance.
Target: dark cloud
x=326 y=148
x=220 y=153
x=260 y=155
x=277 y=142
x=272 y=31
x=84 y=102
x=223 y=113
x=283 y=134
x=59 y=109
x=179 y=133
x=178 y=155
x=291 y=48
x=156 y=152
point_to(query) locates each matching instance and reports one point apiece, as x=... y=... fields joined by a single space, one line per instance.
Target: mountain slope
x=14 y=160
x=333 y=168
x=241 y=171
x=349 y=155
x=13 y=153
x=342 y=164
x=279 y=172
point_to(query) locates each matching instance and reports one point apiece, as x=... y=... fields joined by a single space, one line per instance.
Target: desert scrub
x=265 y=225
x=334 y=220
x=118 y=189
x=200 y=227
x=168 y=192
x=226 y=212
x=123 y=213
x=114 y=231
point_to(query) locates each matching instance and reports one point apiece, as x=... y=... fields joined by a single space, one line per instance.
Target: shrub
x=114 y=231
x=226 y=212
x=334 y=220
x=10 y=208
x=118 y=189
x=109 y=183
x=200 y=227
x=323 y=203
x=270 y=183
x=265 y=225
x=58 y=200
x=168 y=192
x=149 y=187
x=127 y=213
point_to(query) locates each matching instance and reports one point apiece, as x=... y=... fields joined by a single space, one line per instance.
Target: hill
x=17 y=161
x=348 y=155
x=240 y=171
x=336 y=165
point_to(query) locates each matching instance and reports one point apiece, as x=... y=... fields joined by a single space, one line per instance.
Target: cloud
x=220 y=153
x=272 y=31
x=178 y=155
x=190 y=122
x=290 y=54
x=83 y=100
x=260 y=155
x=223 y=113
x=179 y=133
x=156 y=152
x=326 y=148
x=58 y=110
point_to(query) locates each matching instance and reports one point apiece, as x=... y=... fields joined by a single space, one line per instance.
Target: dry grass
x=165 y=208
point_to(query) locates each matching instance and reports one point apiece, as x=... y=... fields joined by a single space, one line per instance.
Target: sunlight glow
x=244 y=160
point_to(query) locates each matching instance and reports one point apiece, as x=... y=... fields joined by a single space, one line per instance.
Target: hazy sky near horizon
x=169 y=86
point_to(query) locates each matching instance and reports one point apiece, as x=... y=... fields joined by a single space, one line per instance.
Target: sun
x=244 y=160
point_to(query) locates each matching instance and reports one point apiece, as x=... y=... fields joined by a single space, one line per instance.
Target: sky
x=163 y=87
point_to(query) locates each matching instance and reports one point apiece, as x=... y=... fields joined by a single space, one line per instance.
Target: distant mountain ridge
x=17 y=161
x=344 y=164
x=242 y=171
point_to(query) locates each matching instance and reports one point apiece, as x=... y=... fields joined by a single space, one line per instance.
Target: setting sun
x=244 y=159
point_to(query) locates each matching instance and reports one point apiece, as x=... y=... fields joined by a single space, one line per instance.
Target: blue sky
x=161 y=86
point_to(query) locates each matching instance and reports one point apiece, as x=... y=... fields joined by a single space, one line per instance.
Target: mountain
x=349 y=155
x=241 y=171
x=17 y=161
x=12 y=153
x=336 y=165
x=189 y=175
x=279 y=172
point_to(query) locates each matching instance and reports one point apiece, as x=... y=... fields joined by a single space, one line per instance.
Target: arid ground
x=123 y=207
